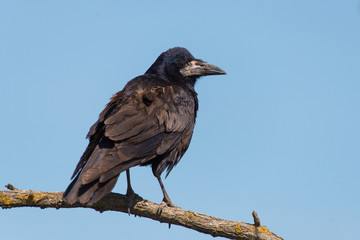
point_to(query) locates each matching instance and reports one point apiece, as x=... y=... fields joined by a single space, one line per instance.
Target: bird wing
x=151 y=123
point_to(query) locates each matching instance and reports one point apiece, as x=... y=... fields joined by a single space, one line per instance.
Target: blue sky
x=279 y=134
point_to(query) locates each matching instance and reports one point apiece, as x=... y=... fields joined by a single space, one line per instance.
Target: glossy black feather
x=149 y=122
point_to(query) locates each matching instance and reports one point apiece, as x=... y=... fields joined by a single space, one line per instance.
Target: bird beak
x=200 y=68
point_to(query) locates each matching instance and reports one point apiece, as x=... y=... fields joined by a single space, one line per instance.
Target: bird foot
x=130 y=195
x=163 y=205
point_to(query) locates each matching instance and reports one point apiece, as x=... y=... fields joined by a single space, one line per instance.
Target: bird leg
x=130 y=194
x=166 y=200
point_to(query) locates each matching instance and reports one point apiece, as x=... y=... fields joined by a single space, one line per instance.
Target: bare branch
x=117 y=202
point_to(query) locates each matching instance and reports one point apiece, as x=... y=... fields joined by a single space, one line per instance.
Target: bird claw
x=163 y=205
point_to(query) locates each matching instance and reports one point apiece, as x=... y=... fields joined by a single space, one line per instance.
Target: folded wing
x=152 y=126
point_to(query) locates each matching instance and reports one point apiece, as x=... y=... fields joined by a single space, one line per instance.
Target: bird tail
x=97 y=175
x=88 y=186
x=89 y=193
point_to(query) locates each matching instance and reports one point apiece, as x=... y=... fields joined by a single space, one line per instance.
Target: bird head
x=178 y=64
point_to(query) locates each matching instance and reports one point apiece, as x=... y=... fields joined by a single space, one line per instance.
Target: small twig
x=256 y=219
x=11 y=187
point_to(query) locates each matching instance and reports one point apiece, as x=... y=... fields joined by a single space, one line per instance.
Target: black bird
x=149 y=122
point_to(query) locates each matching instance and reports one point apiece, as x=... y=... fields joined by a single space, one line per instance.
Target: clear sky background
x=280 y=134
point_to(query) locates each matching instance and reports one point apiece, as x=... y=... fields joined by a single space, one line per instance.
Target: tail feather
x=103 y=190
x=89 y=193
x=70 y=195
x=86 y=188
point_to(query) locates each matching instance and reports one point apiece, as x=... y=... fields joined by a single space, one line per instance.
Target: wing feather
x=139 y=129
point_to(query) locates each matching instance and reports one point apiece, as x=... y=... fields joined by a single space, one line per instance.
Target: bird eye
x=176 y=60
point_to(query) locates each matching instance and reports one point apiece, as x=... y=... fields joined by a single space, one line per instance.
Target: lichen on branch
x=117 y=202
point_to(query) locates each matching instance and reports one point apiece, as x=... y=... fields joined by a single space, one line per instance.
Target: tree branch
x=144 y=208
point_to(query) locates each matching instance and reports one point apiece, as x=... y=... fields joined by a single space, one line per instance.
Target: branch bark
x=144 y=208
